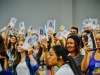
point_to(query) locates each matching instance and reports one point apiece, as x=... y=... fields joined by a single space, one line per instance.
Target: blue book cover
x=30 y=40
x=42 y=32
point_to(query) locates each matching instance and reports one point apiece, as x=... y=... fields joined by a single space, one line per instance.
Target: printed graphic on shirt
x=97 y=67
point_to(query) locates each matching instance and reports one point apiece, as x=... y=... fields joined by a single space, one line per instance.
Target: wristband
x=29 y=54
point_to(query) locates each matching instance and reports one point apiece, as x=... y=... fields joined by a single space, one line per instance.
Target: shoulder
x=90 y=54
x=65 y=70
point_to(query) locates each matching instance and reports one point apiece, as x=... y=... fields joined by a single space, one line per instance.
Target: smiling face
x=13 y=39
x=52 y=58
x=70 y=45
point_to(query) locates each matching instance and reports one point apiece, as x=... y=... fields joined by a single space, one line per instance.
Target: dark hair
x=86 y=31
x=50 y=24
x=76 y=42
x=75 y=28
x=54 y=34
x=41 y=31
x=2 y=45
x=9 y=45
x=71 y=34
x=62 y=51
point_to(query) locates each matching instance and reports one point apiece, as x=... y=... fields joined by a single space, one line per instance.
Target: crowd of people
x=66 y=56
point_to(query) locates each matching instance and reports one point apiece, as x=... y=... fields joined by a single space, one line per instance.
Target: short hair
x=75 y=28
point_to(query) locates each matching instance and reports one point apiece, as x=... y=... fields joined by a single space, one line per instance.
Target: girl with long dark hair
x=58 y=56
x=3 y=55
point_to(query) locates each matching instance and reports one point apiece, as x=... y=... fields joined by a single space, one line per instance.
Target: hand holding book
x=44 y=43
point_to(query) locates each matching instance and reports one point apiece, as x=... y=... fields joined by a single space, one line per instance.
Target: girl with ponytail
x=58 y=56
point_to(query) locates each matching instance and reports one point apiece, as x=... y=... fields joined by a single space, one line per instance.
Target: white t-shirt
x=65 y=70
x=82 y=51
x=22 y=69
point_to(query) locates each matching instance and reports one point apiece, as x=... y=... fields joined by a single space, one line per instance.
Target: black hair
x=76 y=42
x=9 y=45
x=41 y=31
x=2 y=45
x=62 y=51
x=86 y=31
x=75 y=28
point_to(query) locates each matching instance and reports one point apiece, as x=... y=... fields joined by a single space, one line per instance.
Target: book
x=31 y=29
x=62 y=27
x=42 y=32
x=87 y=22
x=21 y=28
x=13 y=22
x=30 y=40
x=89 y=38
x=94 y=23
x=51 y=26
x=59 y=35
x=65 y=33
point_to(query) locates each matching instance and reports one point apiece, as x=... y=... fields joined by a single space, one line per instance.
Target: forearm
x=52 y=41
x=5 y=64
x=6 y=38
x=2 y=57
x=31 y=58
x=85 y=63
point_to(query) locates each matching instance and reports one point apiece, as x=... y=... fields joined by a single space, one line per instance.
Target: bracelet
x=46 y=49
x=29 y=54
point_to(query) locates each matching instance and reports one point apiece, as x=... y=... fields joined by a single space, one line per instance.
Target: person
x=11 y=51
x=91 y=60
x=42 y=35
x=83 y=40
x=25 y=63
x=3 y=55
x=50 y=28
x=74 y=30
x=73 y=46
x=42 y=56
x=58 y=56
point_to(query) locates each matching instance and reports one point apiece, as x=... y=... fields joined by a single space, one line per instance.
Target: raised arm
x=86 y=59
x=33 y=62
x=44 y=43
